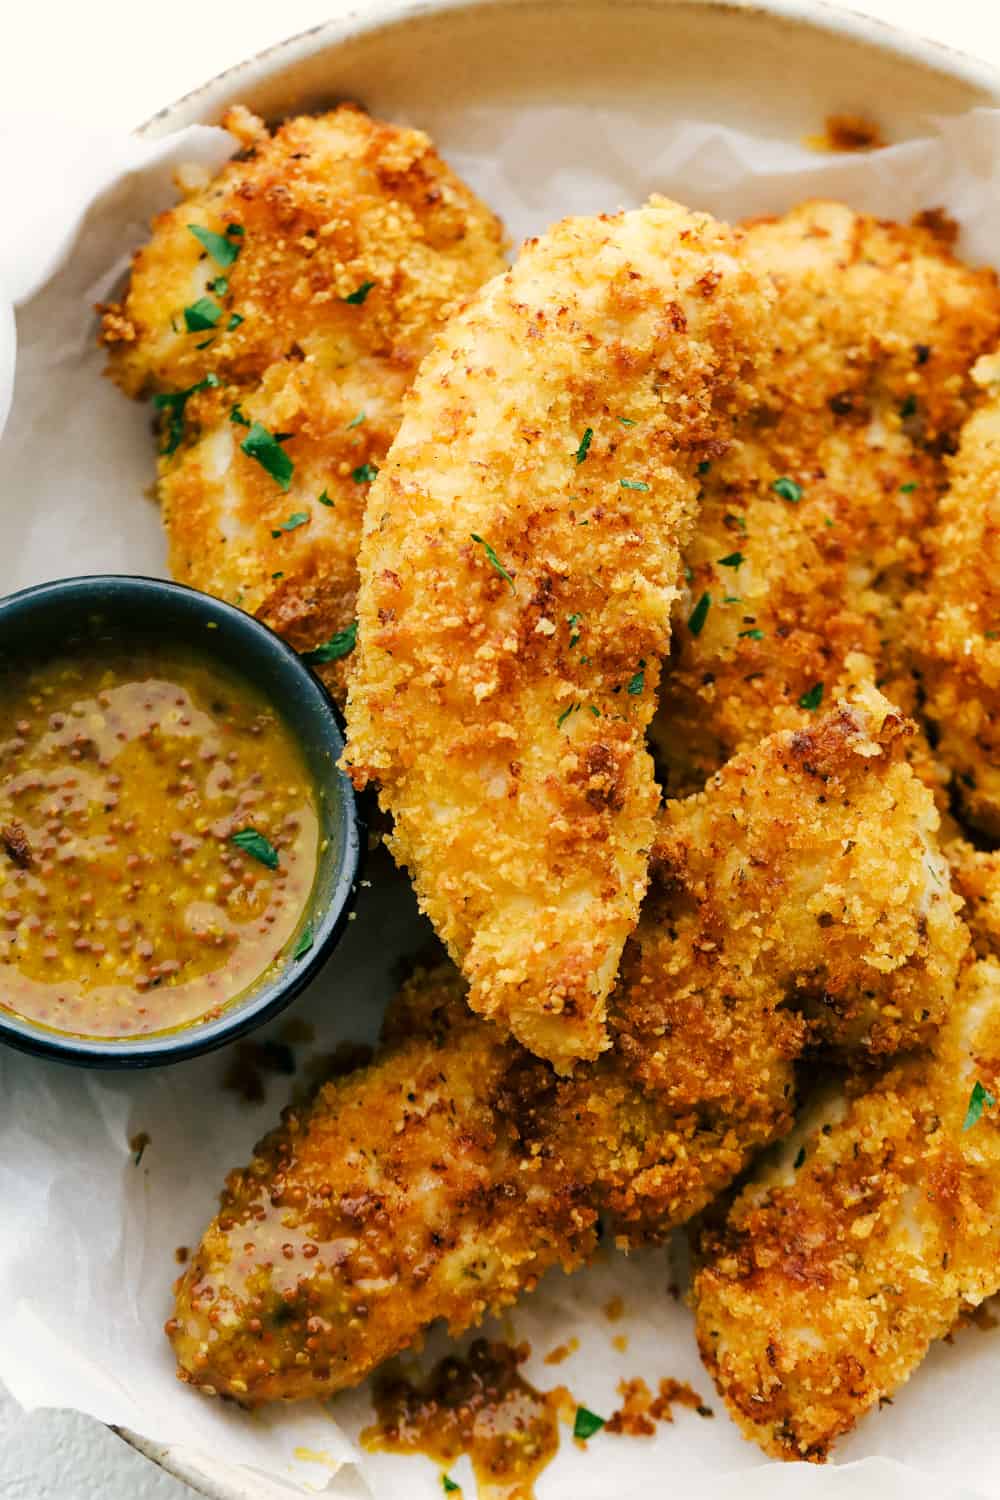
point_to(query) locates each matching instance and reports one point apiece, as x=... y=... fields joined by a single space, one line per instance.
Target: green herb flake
x=574 y=635
x=236 y=229
x=638 y=682
x=732 y=519
x=277 y=575
x=236 y=416
x=205 y=343
x=175 y=402
x=586 y=1423
x=787 y=489
x=448 y=1485
x=356 y=421
x=573 y=708
x=633 y=484
x=627 y=421
x=594 y=710
x=220 y=286
x=263 y=446
x=365 y=473
x=907 y=489
x=813 y=698
x=829 y=521
x=341 y=644
x=979 y=1099
x=751 y=635
x=800 y=1157
x=220 y=247
x=257 y=846
x=324 y=499
x=704 y=466
x=295 y=520
x=731 y=560
x=304 y=943
x=698 y=616
x=356 y=298
x=234 y=322
x=584 y=448
x=494 y=561
x=991 y=635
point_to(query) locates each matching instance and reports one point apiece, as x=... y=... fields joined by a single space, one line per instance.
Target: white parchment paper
x=87 y=1233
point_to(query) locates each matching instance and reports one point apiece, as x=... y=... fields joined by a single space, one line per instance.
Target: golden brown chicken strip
x=810 y=529
x=519 y=564
x=954 y=620
x=837 y=1269
x=445 y=1178
x=297 y=290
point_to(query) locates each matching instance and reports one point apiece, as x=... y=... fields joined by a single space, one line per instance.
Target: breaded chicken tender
x=297 y=291
x=518 y=568
x=441 y=1181
x=837 y=1270
x=954 y=620
x=810 y=528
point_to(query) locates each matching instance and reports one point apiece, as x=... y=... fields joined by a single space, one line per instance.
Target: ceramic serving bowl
x=75 y=608
x=776 y=68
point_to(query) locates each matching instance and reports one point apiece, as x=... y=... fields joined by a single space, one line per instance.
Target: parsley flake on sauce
x=365 y=473
x=813 y=698
x=494 y=560
x=979 y=1099
x=252 y=842
x=448 y=1485
x=638 y=682
x=698 y=616
x=304 y=943
x=907 y=489
x=267 y=450
x=627 y=421
x=236 y=416
x=174 y=402
x=324 y=499
x=341 y=644
x=201 y=315
x=295 y=520
x=586 y=1423
x=573 y=708
x=633 y=484
x=751 y=635
x=234 y=322
x=584 y=448
x=356 y=421
x=787 y=489
x=731 y=560
x=219 y=246
x=357 y=297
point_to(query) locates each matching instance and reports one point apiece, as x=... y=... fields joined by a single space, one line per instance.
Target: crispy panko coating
x=345 y=244
x=442 y=1180
x=810 y=528
x=954 y=620
x=519 y=563
x=837 y=1269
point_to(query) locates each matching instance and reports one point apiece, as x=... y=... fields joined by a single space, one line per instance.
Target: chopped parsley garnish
x=704 y=466
x=201 y=315
x=698 y=616
x=324 y=499
x=356 y=421
x=751 y=635
x=220 y=286
x=494 y=561
x=205 y=343
x=909 y=406
x=633 y=484
x=991 y=635
x=787 y=489
x=448 y=1485
x=356 y=298
x=341 y=644
x=574 y=635
x=365 y=473
x=731 y=560
x=277 y=575
x=573 y=708
x=638 y=682
x=586 y=1423
x=979 y=1099
x=813 y=698
x=627 y=421
x=304 y=943
x=257 y=846
x=907 y=489
x=584 y=448
x=234 y=322
x=174 y=402
x=295 y=520
x=731 y=599
x=829 y=521
x=594 y=710
x=220 y=247
x=267 y=450
x=236 y=416
x=731 y=518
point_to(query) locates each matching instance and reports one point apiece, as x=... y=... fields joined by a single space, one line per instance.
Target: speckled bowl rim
x=205 y=1475
x=328 y=926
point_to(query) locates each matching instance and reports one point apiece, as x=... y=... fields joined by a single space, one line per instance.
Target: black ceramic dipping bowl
x=72 y=609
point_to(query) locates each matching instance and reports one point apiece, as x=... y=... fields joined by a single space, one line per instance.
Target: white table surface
x=113 y=63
